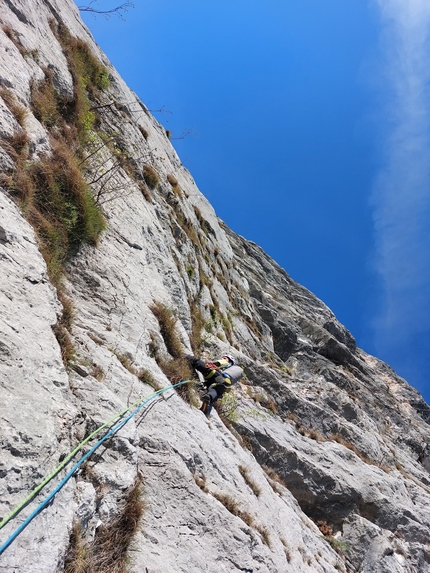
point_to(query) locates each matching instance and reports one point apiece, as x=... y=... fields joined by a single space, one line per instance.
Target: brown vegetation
x=246 y=474
x=150 y=176
x=19 y=112
x=176 y=369
x=108 y=551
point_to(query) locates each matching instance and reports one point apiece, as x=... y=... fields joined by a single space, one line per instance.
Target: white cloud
x=401 y=196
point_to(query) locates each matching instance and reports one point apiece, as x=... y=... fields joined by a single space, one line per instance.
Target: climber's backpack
x=234 y=373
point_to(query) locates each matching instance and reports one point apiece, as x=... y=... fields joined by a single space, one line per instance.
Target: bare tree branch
x=161 y=110
x=118 y=11
x=186 y=132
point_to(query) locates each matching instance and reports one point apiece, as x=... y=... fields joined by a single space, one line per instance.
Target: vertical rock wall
x=319 y=432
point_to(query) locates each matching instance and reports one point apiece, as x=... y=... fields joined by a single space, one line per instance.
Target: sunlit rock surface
x=319 y=432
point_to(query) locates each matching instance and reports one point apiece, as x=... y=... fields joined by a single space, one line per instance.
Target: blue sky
x=313 y=123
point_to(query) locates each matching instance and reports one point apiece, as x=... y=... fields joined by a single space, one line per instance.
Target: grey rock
x=325 y=432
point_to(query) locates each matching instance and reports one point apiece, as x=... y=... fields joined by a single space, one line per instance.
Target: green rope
x=111 y=432
x=36 y=490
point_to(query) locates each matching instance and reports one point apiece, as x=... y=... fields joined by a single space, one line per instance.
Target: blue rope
x=78 y=464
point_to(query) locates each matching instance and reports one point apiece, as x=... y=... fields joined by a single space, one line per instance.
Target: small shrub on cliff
x=59 y=205
x=324 y=528
x=226 y=408
x=52 y=191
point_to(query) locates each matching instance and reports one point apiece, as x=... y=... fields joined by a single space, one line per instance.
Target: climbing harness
x=137 y=405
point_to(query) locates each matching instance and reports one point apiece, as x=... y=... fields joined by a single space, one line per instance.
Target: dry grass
x=150 y=176
x=198 y=323
x=167 y=322
x=45 y=103
x=246 y=474
x=65 y=341
x=126 y=361
x=144 y=132
x=19 y=112
x=234 y=508
x=97 y=372
x=62 y=328
x=89 y=79
x=205 y=225
x=177 y=369
x=274 y=479
x=145 y=191
x=363 y=457
x=313 y=435
x=287 y=549
x=52 y=192
x=68 y=313
x=266 y=401
x=79 y=556
x=246 y=442
x=201 y=482
x=265 y=536
x=172 y=180
x=14 y=38
x=59 y=205
x=175 y=185
x=108 y=552
x=146 y=377
x=325 y=529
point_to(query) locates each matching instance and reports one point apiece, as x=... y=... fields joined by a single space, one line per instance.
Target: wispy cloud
x=401 y=196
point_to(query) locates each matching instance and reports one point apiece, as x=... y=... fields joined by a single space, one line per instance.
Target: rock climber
x=219 y=376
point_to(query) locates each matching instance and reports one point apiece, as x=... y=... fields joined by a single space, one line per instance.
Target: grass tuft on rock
x=167 y=322
x=176 y=369
x=18 y=111
x=58 y=203
x=246 y=474
x=107 y=553
x=150 y=176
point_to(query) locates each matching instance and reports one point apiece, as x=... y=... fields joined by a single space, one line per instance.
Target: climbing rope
x=66 y=460
x=140 y=404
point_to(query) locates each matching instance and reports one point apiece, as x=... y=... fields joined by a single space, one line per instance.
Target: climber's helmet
x=229 y=358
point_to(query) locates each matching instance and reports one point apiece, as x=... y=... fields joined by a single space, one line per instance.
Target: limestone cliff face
x=320 y=432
